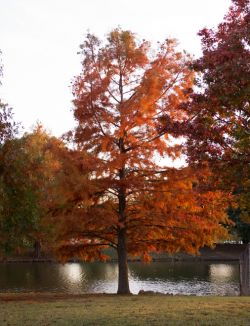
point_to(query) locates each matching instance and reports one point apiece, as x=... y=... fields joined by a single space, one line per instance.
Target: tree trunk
x=37 y=249
x=123 y=283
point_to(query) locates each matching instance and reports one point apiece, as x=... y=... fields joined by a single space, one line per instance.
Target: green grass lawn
x=99 y=310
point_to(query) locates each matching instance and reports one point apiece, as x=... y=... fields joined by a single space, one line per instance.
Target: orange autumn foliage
x=135 y=204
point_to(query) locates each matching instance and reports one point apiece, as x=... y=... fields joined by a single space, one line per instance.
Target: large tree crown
x=125 y=91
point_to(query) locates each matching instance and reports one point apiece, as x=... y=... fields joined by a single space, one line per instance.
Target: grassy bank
x=111 y=310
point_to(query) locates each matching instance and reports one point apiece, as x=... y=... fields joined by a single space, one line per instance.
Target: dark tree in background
x=220 y=132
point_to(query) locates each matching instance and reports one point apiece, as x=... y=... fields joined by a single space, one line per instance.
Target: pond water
x=196 y=278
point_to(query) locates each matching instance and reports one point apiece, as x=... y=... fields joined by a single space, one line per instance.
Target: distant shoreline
x=222 y=252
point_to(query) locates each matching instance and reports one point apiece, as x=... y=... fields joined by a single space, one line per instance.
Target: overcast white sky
x=40 y=39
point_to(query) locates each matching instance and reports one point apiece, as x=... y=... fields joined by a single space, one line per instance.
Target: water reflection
x=72 y=272
x=198 y=278
x=222 y=272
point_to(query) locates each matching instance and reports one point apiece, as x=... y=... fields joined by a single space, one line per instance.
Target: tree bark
x=123 y=283
x=37 y=249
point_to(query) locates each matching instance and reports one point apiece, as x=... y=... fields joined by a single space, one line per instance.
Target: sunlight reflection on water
x=221 y=272
x=72 y=272
x=196 y=278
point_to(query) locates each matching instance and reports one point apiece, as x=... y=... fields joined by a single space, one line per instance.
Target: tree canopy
x=220 y=128
x=8 y=127
x=30 y=168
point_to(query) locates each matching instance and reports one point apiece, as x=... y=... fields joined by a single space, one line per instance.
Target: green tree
x=8 y=128
x=240 y=228
x=28 y=169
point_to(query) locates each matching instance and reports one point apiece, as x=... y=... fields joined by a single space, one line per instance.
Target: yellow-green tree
x=29 y=166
